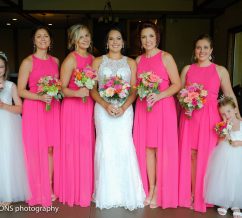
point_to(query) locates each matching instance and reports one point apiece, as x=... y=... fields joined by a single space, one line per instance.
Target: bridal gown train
x=117 y=177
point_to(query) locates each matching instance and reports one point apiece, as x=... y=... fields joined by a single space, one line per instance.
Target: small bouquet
x=192 y=97
x=148 y=83
x=114 y=90
x=223 y=129
x=51 y=86
x=85 y=78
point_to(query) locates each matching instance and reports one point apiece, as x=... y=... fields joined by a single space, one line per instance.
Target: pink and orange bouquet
x=85 y=78
x=51 y=86
x=192 y=97
x=148 y=83
x=223 y=129
x=114 y=90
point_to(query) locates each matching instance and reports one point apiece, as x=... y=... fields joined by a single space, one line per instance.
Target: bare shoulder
x=166 y=56
x=56 y=60
x=27 y=62
x=70 y=59
x=98 y=60
x=138 y=59
x=221 y=69
x=131 y=61
x=186 y=68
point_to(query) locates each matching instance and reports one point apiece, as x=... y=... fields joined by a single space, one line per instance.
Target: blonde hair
x=226 y=100
x=74 y=35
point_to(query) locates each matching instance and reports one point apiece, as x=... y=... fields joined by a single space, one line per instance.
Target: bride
x=117 y=177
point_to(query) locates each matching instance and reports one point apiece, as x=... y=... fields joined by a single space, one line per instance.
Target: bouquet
x=85 y=78
x=223 y=129
x=51 y=86
x=192 y=97
x=114 y=90
x=148 y=83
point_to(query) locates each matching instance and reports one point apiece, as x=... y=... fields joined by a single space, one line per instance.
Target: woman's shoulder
x=55 y=59
x=27 y=62
x=130 y=60
x=98 y=59
x=220 y=68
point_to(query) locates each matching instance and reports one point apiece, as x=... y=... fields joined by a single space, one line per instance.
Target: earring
x=34 y=47
x=195 y=58
x=90 y=47
x=210 y=58
x=107 y=47
x=123 y=45
x=49 y=48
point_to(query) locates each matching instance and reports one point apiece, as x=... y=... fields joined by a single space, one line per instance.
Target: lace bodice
x=110 y=67
x=237 y=135
x=6 y=93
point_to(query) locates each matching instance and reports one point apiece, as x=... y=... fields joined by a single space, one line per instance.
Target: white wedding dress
x=13 y=177
x=117 y=177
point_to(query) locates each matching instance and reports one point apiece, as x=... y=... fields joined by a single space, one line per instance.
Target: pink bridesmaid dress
x=41 y=129
x=75 y=179
x=158 y=129
x=198 y=133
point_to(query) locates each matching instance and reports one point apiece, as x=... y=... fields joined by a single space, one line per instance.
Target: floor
x=91 y=212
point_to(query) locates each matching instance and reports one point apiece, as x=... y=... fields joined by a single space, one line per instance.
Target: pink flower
x=187 y=100
x=193 y=95
x=110 y=92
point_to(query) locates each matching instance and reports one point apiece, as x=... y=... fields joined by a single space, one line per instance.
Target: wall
x=230 y=19
x=127 y=5
x=179 y=37
x=237 y=74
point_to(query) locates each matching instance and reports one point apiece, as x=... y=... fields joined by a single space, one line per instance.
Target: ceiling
x=10 y=9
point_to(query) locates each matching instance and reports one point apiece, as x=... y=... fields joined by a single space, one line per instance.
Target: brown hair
x=34 y=31
x=149 y=24
x=226 y=100
x=200 y=37
x=5 y=61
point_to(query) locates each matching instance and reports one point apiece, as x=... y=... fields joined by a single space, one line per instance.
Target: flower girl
x=13 y=178
x=223 y=180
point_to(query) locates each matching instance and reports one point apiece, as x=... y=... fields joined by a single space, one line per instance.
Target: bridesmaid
x=41 y=132
x=194 y=151
x=155 y=132
x=77 y=126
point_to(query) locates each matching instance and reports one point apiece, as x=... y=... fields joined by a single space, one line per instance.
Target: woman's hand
x=114 y=111
x=153 y=98
x=235 y=143
x=119 y=112
x=82 y=92
x=45 y=98
x=1 y=105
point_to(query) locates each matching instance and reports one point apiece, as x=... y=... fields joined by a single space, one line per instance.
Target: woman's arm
x=226 y=85
x=67 y=67
x=183 y=75
x=23 y=77
x=17 y=107
x=173 y=76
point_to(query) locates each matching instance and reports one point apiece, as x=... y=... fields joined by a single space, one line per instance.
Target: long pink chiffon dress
x=75 y=179
x=198 y=133
x=158 y=129
x=41 y=129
